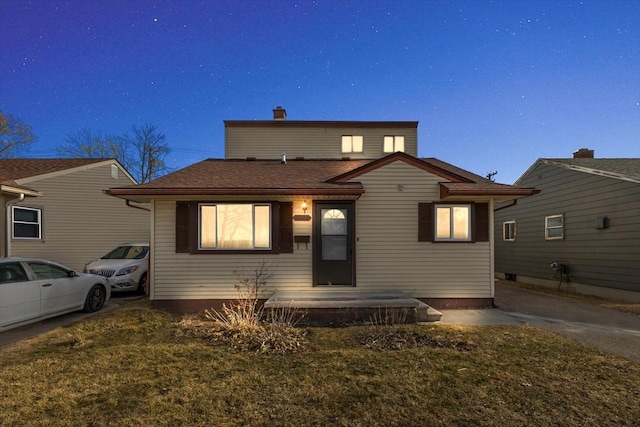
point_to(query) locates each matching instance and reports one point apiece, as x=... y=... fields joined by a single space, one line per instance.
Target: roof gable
x=28 y=170
x=425 y=164
x=625 y=169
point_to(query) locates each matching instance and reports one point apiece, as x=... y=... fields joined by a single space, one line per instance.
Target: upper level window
x=453 y=223
x=235 y=226
x=393 y=144
x=27 y=223
x=352 y=143
x=554 y=227
x=509 y=231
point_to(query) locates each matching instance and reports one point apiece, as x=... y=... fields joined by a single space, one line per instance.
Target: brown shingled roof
x=304 y=177
x=16 y=169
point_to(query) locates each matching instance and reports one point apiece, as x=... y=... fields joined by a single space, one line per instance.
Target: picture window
x=235 y=226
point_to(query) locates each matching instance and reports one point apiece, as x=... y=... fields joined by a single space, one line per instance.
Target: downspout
x=492 y=252
x=7 y=242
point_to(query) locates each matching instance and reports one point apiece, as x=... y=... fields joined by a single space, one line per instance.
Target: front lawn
x=136 y=366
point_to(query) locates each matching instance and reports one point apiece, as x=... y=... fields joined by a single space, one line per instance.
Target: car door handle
x=47 y=285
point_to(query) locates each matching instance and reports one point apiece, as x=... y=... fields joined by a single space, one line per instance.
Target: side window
x=47 y=271
x=12 y=272
x=26 y=223
x=352 y=143
x=554 y=227
x=453 y=223
x=393 y=144
x=509 y=231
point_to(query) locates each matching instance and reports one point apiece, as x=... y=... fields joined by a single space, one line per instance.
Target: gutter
x=128 y=203
x=513 y=203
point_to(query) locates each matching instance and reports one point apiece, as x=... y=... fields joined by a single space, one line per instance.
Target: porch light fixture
x=304 y=206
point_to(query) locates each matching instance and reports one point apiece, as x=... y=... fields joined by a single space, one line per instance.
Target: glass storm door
x=333 y=243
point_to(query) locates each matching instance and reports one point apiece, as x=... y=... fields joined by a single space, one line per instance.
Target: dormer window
x=394 y=144
x=352 y=143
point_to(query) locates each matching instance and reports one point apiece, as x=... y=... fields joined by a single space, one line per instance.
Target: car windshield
x=127 y=252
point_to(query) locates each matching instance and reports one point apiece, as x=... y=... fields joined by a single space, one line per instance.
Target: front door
x=333 y=247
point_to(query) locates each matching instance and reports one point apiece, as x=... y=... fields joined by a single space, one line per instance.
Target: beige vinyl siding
x=319 y=142
x=79 y=222
x=388 y=254
x=186 y=276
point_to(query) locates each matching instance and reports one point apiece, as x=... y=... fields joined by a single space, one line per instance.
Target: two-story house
x=332 y=206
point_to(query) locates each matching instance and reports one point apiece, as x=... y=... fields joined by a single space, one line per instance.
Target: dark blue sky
x=494 y=85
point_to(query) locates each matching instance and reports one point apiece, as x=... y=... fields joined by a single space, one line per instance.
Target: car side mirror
x=73 y=273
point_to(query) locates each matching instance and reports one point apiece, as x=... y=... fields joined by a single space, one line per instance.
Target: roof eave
x=147 y=195
x=19 y=190
x=502 y=195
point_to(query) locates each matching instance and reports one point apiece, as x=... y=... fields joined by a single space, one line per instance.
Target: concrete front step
x=345 y=306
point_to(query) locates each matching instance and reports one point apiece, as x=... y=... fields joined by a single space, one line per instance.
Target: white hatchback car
x=35 y=289
x=125 y=267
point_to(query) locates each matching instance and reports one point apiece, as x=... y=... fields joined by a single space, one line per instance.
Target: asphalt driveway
x=608 y=330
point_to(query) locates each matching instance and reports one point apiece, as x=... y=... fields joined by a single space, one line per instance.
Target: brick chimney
x=583 y=153
x=279 y=113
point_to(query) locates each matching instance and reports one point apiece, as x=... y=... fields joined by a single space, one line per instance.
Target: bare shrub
x=400 y=338
x=390 y=316
x=242 y=324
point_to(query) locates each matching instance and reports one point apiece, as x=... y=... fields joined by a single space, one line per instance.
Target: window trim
x=14 y=222
x=513 y=234
x=351 y=145
x=217 y=247
x=395 y=142
x=480 y=225
x=547 y=228
x=187 y=229
x=451 y=206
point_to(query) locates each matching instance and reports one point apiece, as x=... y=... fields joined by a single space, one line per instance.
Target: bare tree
x=142 y=152
x=85 y=144
x=14 y=136
x=150 y=149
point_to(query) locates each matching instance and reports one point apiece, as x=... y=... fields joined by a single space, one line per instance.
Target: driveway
x=608 y=330
x=29 y=331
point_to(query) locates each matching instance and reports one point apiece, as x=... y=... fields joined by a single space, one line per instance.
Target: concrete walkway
x=608 y=330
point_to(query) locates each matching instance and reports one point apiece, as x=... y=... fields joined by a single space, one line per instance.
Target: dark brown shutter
x=182 y=227
x=286 y=228
x=482 y=222
x=425 y=221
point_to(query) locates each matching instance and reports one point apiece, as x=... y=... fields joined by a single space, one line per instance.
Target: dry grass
x=619 y=305
x=135 y=367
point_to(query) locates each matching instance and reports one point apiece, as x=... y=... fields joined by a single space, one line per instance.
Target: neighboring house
x=586 y=217
x=332 y=207
x=56 y=209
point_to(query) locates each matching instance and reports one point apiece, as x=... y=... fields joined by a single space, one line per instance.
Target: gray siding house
x=56 y=209
x=586 y=218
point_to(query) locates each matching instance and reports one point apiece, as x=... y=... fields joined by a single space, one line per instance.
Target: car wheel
x=95 y=299
x=142 y=285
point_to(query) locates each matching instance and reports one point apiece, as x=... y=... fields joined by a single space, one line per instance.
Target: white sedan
x=35 y=289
